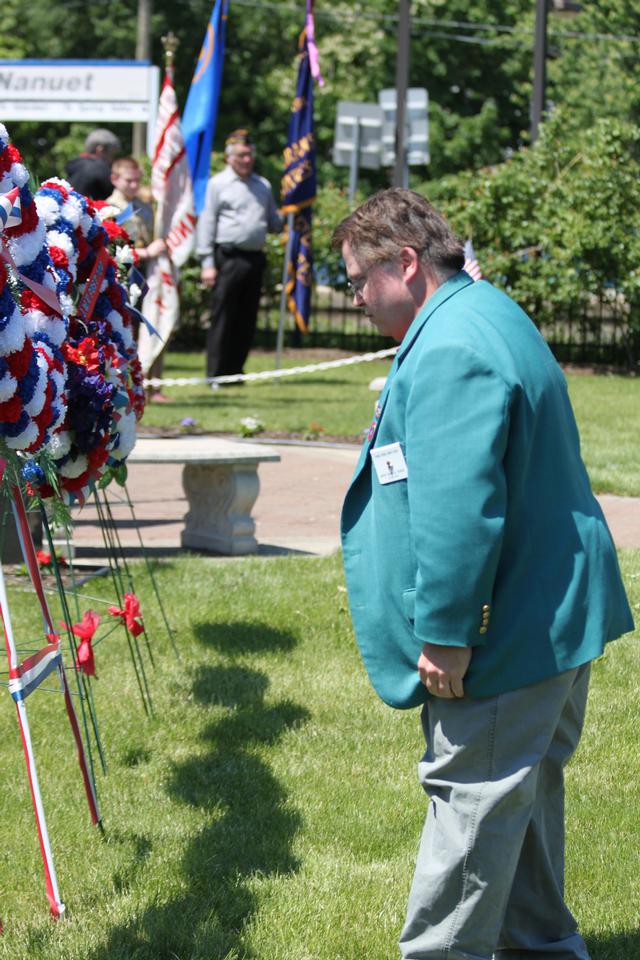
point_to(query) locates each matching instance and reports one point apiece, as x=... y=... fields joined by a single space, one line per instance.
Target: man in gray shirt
x=239 y=211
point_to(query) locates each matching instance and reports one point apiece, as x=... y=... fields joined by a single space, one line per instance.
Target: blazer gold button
x=482 y=630
x=485 y=608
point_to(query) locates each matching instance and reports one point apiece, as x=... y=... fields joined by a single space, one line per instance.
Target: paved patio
x=297 y=510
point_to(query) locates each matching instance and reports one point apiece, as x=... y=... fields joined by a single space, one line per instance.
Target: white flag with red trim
x=175 y=221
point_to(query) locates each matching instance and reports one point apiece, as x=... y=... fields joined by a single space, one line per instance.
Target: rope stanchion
x=271 y=374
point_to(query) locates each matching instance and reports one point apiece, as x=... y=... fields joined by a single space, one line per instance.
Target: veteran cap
x=240 y=137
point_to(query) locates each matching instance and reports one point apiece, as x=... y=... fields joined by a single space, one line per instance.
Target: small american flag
x=471 y=265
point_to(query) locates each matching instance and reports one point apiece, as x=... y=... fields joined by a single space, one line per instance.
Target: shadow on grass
x=243 y=636
x=617 y=946
x=249 y=830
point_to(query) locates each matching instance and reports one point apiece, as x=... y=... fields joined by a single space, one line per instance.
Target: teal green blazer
x=494 y=540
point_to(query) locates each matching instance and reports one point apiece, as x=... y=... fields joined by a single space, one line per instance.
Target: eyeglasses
x=355 y=285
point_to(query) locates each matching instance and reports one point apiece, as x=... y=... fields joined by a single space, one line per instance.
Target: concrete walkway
x=297 y=510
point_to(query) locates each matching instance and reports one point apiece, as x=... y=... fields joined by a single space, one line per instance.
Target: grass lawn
x=339 y=401
x=269 y=810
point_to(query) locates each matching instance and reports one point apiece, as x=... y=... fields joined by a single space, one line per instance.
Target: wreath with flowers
x=104 y=377
x=32 y=373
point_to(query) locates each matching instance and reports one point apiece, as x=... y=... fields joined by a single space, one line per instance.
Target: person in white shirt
x=238 y=213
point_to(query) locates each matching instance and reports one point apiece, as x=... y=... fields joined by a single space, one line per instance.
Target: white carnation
x=35 y=405
x=12 y=337
x=48 y=210
x=19 y=174
x=126 y=430
x=108 y=213
x=58 y=239
x=26 y=248
x=74 y=467
x=8 y=386
x=72 y=211
x=24 y=440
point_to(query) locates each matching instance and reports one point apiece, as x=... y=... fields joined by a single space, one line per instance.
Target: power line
x=353 y=16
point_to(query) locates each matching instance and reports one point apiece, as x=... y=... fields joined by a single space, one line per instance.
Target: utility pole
x=539 y=68
x=143 y=52
x=400 y=170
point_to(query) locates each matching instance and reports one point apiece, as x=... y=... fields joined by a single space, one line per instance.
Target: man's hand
x=208 y=276
x=442 y=669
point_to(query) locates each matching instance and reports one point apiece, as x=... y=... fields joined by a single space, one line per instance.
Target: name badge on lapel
x=389 y=463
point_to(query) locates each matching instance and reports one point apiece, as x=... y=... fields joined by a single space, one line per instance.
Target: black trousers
x=235 y=302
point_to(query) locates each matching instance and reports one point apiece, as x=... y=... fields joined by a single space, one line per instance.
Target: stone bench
x=220 y=480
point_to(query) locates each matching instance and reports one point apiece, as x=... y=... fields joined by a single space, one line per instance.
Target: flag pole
x=170 y=44
x=283 y=295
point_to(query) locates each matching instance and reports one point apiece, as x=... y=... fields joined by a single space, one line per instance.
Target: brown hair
x=392 y=219
x=123 y=163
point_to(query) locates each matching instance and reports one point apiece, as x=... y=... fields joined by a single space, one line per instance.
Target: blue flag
x=299 y=189
x=201 y=111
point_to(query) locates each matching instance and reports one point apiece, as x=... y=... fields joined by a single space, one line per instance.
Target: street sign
x=358 y=130
x=416 y=127
x=358 y=138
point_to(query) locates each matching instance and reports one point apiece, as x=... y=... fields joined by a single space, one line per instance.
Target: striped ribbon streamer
x=10 y=209
x=29 y=674
x=51 y=881
x=31 y=561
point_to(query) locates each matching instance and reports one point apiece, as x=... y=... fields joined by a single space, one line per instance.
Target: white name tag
x=389 y=463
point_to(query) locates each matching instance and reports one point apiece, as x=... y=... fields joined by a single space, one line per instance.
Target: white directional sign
x=99 y=91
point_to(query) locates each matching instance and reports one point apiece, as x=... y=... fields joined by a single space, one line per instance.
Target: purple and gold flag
x=299 y=179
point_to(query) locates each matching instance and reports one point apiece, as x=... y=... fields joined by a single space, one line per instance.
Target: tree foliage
x=557 y=224
x=473 y=56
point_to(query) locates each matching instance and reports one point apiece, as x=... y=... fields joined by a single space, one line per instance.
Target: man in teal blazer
x=482 y=581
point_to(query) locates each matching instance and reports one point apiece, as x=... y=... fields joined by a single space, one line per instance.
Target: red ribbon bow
x=85 y=631
x=130 y=614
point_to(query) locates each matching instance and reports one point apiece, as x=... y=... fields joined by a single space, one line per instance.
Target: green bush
x=556 y=225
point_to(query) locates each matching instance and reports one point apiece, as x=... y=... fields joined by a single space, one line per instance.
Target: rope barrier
x=270 y=374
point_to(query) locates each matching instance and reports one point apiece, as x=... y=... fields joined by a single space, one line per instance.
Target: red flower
x=9 y=156
x=84 y=355
x=29 y=221
x=44 y=559
x=10 y=410
x=59 y=257
x=18 y=361
x=64 y=193
x=98 y=456
x=115 y=231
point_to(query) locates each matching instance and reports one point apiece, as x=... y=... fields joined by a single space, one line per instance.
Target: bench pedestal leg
x=221 y=497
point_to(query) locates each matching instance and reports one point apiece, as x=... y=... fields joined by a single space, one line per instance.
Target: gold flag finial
x=170 y=44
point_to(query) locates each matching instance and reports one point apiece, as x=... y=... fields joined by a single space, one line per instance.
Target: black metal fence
x=603 y=331
x=597 y=331
x=335 y=324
